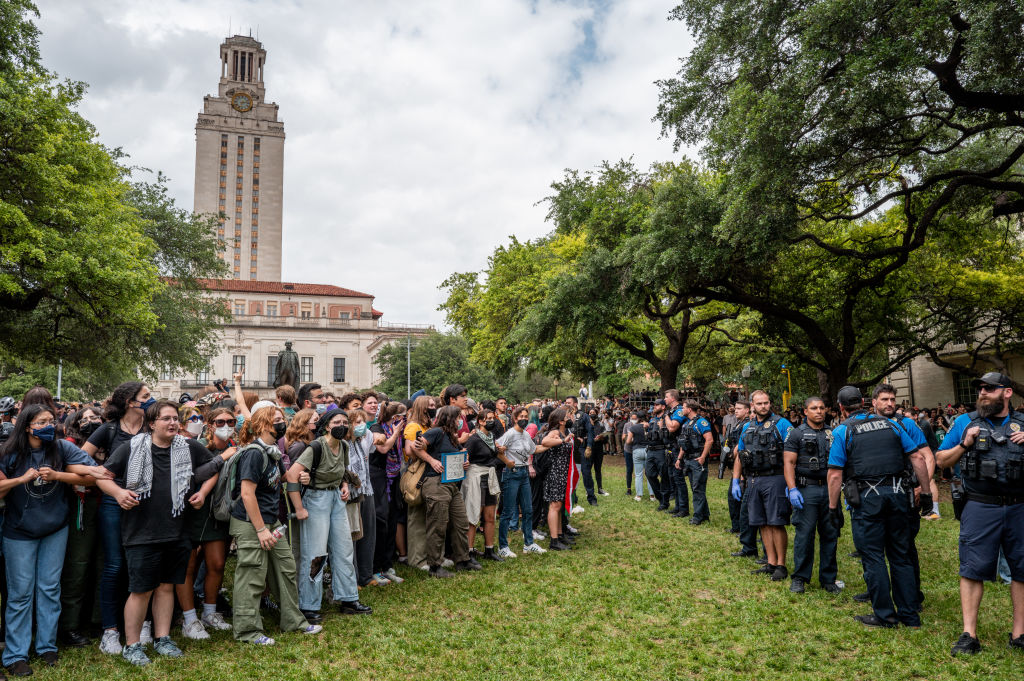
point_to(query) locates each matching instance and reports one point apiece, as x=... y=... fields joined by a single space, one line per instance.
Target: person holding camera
x=988 y=443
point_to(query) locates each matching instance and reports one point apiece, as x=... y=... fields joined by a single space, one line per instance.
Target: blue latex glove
x=795 y=498
x=735 y=491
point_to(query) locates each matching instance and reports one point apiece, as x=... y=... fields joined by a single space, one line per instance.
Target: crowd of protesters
x=120 y=515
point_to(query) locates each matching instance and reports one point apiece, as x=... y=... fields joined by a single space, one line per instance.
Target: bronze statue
x=287 y=371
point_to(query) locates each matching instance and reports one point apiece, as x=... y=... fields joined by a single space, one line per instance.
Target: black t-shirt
x=639 y=433
x=480 y=454
x=438 y=443
x=378 y=459
x=268 y=484
x=108 y=437
x=151 y=521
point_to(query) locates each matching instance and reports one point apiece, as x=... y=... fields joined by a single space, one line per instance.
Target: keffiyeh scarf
x=139 y=476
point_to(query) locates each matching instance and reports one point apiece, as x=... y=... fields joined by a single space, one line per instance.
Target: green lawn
x=643 y=596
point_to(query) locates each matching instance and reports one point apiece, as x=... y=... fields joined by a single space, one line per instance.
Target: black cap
x=850 y=396
x=992 y=378
x=661 y=402
x=185 y=397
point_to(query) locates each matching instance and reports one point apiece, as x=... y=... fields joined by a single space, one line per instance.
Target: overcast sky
x=420 y=135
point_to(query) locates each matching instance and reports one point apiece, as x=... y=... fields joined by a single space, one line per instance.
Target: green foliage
x=93 y=269
x=437 y=361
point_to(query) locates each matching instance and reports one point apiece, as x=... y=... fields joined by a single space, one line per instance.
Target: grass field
x=643 y=596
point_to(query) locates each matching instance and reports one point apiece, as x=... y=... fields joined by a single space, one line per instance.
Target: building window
x=271 y=309
x=339 y=369
x=343 y=315
x=239 y=307
x=963 y=392
x=166 y=374
x=305 y=369
x=271 y=368
x=237 y=364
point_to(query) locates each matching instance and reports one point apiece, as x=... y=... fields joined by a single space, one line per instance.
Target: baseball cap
x=850 y=396
x=992 y=378
x=661 y=401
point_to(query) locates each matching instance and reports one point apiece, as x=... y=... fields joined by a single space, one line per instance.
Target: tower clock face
x=241 y=102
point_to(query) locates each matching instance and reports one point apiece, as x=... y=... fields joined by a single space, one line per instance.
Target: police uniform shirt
x=677 y=416
x=782 y=427
x=955 y=435
x=701 y=425
x=837 y=453
x=913 y=430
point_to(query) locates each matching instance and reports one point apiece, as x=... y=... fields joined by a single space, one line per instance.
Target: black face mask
x=339 y=432
x=491 y=426
x=431 y=413
x=522 y=423
x=87 y=428
x=279 y=429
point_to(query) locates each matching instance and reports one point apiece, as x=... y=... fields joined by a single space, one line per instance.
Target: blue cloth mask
x=46 y=433
x=360 y=430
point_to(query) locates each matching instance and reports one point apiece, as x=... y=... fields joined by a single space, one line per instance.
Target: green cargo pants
x=257 y=567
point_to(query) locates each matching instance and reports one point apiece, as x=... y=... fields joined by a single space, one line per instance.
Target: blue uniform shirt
x=912 y=429
x=837 y=454
x=677 y=416
x=782 y=427
x=700 y=424
x=956 y=432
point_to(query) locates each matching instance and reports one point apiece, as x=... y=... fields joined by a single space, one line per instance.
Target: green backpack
x=223 y=492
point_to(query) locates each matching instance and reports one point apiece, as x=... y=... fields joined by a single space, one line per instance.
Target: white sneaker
x=393 y=576
x=216 y=621
x=637 y=498
x=195 y=631
x=603 y=493
x=263 y=641
x=652 y=498
x=570 y=528
x=534 y=548
x=506 y=553
x=111 y=642
x=447 y=563
x=425 y=567
x=577 y=509
x=313 y=629
x=146 y=636
x=537 y=534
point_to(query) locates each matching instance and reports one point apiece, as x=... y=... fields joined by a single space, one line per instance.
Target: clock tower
x=240 y=163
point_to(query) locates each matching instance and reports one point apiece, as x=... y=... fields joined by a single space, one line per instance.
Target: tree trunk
x=669 y=372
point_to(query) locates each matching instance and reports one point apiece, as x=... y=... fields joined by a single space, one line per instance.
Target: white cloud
x=420 y=135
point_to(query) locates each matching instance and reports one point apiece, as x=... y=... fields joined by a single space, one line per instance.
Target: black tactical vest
x=762 y=448
x=690 y=439
x=993 y=465
x=812 y=455
x=873 y=448
x=655 y=441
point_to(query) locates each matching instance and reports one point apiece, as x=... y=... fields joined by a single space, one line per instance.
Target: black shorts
x=768 y=503
x=984 y=528
x=150 y=565
x=486 y=498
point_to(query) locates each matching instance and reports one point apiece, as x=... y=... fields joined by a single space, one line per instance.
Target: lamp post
x=787 y=394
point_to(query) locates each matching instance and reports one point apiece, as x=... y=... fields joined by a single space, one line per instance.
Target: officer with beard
x=989 y=444
x=657 y=441
x=871 y=454
x=806 y=470
x=883 y=402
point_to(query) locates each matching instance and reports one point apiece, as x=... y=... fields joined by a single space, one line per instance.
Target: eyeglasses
x=195 y=417
x=41 y=424
x=169 y=419
x=223 y=422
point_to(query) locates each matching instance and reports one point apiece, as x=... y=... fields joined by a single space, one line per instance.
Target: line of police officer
x=879 y=462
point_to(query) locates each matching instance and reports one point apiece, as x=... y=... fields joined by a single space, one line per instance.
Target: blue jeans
x=517 y=497
x=33 y=574
x=639 y=464
x=113 y=590
x=326 y=532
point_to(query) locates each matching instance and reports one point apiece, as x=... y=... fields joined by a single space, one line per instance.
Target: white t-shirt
x=519 y=446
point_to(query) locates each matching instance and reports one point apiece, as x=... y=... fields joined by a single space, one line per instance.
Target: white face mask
x=194 y=428
x=224 y=433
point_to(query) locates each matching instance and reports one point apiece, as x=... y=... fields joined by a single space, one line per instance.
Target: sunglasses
x=221 y=422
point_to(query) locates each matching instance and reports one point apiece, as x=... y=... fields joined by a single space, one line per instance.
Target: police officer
x=806 y=469
x=695 y=440
x=870 y=453
x=989 y=444
x=747 y=532
x=675 y=422
x=760 y=459
x=730 y=437
x=883 y=402
x=657 y=441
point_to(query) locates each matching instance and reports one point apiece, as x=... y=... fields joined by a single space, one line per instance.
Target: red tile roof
x=280 y=287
